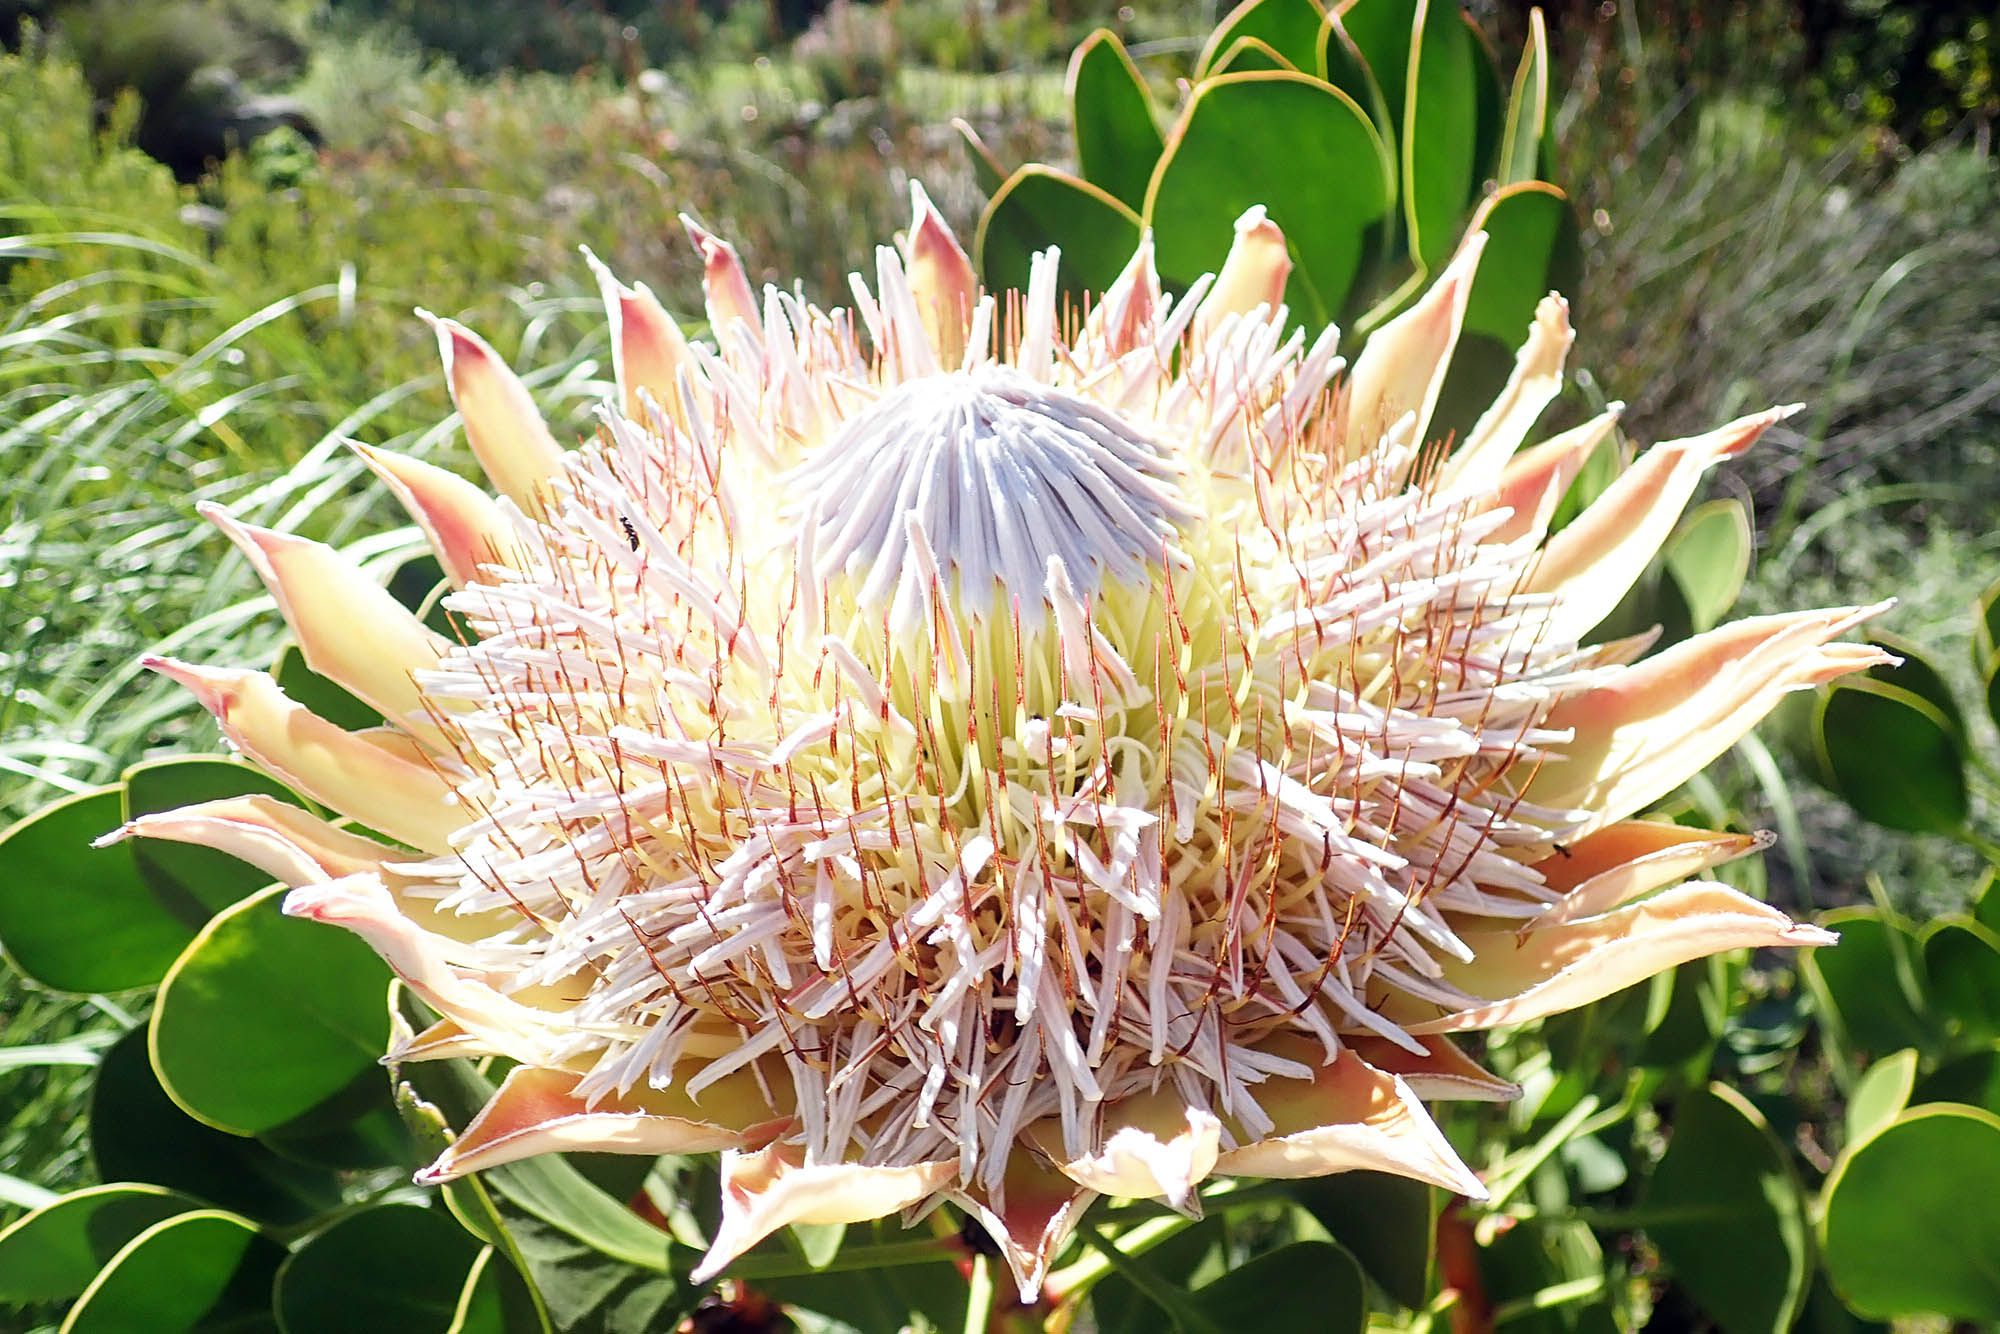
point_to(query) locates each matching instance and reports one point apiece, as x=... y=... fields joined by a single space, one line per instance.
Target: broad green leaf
x=986 y=168
x=1917 y=674
x=548 y=1187
x=1527 y=109
x=1291 y=28
x=1962 y=965
x=1440 y=112
x=480 y=1308
x=1382 y=32
x=356 y=1130
x=1908 y=1219
x=167 y=1278
x=185 y=873
x=82 y=919
x=589 y=1292
x=1708 y=559
x=1685 y=1014
x=389 y=1267
x=1117 y=137
x=1188 y=1257
x=266 y=1016
x=1342 y=65
x=1308 y=1287
x=1973 y=1079
x=1385 y=1222
x=1892 y=755
x=1489 y=108
x=1993 y=692
x=1223 y=157
x=1531 y=248
x=511 y=1291
x=1604 y=466
x=138 y=1134
x=1249 y=55
x=1862 y=983
x=819 y=1242
x=1823 y=1313
x=1727 y=1215
x=498 y=1298
x=1986 y=630
x=1039 y=207
x=327 y=698
x=1881 y=1094
x=53 y=1253
x=418 y=583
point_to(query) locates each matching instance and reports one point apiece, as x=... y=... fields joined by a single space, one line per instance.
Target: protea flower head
x=945 y=749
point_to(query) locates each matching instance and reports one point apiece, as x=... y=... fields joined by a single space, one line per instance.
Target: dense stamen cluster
x=983 y=778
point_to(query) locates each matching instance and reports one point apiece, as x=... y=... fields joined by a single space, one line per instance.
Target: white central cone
x=982 y=477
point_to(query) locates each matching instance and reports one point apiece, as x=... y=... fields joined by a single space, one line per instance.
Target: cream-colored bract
x=948 y=749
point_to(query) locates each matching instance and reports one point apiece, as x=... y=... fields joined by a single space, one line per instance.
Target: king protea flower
x=949 y=750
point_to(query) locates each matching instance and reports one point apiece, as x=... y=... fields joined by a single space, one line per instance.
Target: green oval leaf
x=356 y=1130
x=195 y=882
x=1385 y=1222
x=1892 y=755
x=1222 y=158
x=1709 y=558
x=1342 y=65
x=1290 y=28
x=1118 y=138
x=1973 y=1079
x=1382 y=32
x=1881 y=1094
x=328 y=699
x=1308 y=1286
x=266 y=1016
x=53 y=1253
x=1248 y=55
x=1039 y=207
x=1527 y=109
x=1909 y=1226
x=1489 y=107
x=165 y=1279
x=986 y=168
x=1440 y=113
x=1962 y=963
x=1727 y=1215
x=78 y=918
x=1531 y=247
x=137 y=1133
x=1986 y=631
x=1861 y=984
x=1993 y=693
x=392 y=1267
x=1917 y=674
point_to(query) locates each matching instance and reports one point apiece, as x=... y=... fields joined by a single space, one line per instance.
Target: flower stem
x=979 y=1296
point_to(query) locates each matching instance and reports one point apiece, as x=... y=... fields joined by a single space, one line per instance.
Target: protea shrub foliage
x=959 y=754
